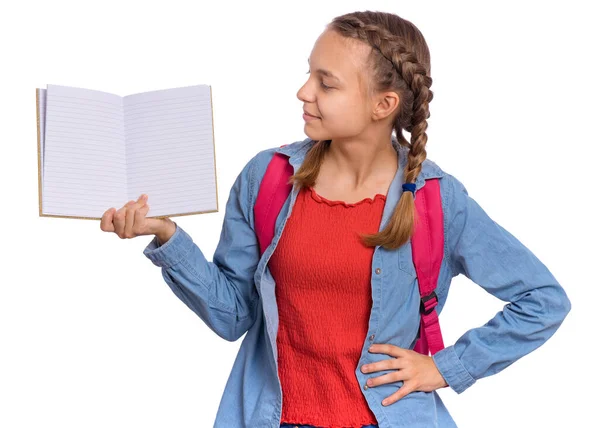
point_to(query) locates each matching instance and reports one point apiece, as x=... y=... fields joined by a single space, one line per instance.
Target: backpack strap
x=272 y=193
x=427 y=242
x=427 y=245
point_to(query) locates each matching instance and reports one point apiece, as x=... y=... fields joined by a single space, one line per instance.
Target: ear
x=385 y=104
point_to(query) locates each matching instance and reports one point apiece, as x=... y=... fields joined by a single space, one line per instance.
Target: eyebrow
x=326 y=73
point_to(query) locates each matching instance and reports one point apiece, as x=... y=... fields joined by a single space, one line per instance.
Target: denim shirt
x=235 y=295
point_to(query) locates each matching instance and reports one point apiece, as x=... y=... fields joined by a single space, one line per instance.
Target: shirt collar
x=429 y=169
x=297 y=152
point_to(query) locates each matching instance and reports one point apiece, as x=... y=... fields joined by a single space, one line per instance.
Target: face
x=336 y=90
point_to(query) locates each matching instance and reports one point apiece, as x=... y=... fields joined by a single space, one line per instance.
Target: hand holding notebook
x=130 y=221
x=97 y=150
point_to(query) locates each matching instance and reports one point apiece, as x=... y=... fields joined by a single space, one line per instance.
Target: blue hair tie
x=410 y=187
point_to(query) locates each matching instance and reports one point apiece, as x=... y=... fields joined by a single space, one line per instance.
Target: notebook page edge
x=39 y=148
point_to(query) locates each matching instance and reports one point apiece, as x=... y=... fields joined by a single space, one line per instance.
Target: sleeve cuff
x=171 y=252
x=452 y=369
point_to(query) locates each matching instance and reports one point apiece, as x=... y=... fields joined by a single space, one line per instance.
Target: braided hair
x=399 y=61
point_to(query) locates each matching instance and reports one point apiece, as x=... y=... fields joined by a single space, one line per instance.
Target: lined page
x=84 y=161
x=170 y=150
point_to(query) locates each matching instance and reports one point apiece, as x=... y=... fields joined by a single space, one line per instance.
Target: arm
x=490 y=256
x=221 y=292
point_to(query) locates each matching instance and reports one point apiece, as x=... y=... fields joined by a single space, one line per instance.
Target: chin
x=316 y=135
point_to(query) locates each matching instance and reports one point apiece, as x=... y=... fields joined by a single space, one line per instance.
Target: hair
x=398 y=61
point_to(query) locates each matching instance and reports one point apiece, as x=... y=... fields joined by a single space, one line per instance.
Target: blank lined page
x=84 y=159
x=170 y=150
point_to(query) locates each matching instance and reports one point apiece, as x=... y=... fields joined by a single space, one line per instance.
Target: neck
x=360 y=163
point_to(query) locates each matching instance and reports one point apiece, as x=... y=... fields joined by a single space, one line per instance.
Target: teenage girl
x=331 y=345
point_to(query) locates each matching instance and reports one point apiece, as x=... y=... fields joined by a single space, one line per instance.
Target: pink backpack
x=427 y=242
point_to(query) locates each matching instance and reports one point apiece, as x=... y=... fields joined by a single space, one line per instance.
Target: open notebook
x=98 y=150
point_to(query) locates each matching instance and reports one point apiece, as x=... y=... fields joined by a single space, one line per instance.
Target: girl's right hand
x=130 y=221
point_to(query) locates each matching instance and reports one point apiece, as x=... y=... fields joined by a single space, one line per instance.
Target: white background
x=91 y=335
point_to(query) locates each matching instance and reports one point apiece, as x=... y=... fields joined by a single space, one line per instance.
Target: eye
x=325 y=87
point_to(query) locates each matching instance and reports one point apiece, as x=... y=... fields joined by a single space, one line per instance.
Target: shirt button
x=371 y=337
x=377 y=271
x=365 y=387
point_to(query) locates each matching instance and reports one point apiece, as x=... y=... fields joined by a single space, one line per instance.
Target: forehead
x=344 y=57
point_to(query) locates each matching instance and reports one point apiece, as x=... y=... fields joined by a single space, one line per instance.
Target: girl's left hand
x=418 y=371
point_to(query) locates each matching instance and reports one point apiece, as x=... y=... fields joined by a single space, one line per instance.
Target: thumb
x=153 y=225
x=140 y=219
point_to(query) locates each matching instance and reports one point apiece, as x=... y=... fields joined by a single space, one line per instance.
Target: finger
x=140 y=219
x=386 y=378
x=387 y=364
x=119 y=221
x=143 y=198
x=106 y=222
x=133 y=206
x=129 y=217
x=398 y=395
x=387 y=348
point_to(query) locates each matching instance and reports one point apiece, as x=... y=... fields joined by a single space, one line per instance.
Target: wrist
x=441 y=382
x=166 y=231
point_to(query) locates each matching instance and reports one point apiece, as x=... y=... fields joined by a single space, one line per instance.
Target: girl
x=331 y=309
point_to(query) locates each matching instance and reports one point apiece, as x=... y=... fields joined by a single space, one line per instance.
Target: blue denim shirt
x=235 y=295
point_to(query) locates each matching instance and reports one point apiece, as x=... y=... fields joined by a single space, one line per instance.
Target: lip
x=310 y=115
x=308 y=118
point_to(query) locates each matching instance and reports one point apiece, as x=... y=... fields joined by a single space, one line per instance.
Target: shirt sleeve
x=221 y=292
x=493 y=258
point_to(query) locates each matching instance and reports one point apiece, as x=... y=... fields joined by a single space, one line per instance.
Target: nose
x=304 y=94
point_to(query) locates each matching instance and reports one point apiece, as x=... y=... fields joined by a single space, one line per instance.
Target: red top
x=322 y=272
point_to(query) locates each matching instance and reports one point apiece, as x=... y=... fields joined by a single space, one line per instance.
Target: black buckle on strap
x=425 y=299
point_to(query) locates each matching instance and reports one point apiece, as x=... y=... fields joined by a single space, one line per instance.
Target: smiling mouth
x=311 y=116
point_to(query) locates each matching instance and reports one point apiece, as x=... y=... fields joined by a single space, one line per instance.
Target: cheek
x=337 y=107
x=347 y=112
